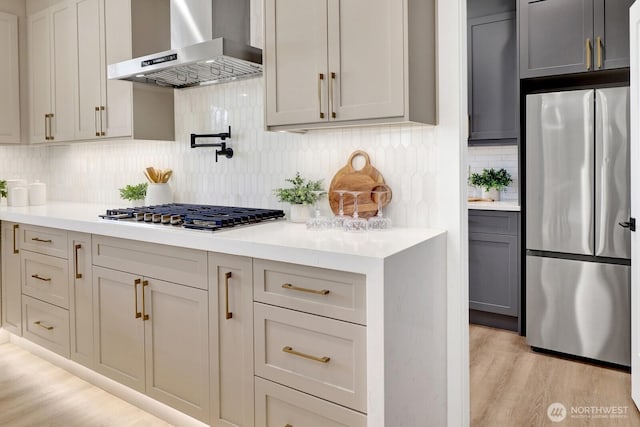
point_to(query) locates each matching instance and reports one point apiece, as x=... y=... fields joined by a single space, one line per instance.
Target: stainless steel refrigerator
x=577 y=207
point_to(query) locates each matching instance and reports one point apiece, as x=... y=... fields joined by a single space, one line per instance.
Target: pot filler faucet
x=223 y=151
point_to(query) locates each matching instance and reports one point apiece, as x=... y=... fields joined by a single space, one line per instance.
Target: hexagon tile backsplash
x=93 y=171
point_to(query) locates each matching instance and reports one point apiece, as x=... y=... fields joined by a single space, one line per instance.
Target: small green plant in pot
x=3 y=188
x=134 y=193
x=491 y=182
x=300 y=196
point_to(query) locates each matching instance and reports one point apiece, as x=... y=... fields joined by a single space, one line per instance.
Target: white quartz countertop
x=507 y=205
x=277 y=240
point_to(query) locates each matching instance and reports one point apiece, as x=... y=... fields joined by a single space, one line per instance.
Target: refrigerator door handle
x=631 y=224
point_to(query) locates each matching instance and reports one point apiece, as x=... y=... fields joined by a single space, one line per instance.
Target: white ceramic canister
x=14 y=183
x=18 y=196
x=37 y=193
x=158 y=194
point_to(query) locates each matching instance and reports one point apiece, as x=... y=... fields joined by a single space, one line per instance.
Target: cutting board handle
x=367 y=160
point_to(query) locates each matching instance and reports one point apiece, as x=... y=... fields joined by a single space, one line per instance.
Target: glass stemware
x=318 y=221
x=355 y=223
x=379 y=222
x=338 y=220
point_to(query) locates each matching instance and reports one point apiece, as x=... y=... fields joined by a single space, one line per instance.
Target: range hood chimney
x=209 y=44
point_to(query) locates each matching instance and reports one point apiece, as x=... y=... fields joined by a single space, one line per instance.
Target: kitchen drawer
x=168 y=263
x=278 y=406
x=319 y=291
x=44 y=240
x=340 y=377
x=496 y=222
x=45 y=277
x=46 y=325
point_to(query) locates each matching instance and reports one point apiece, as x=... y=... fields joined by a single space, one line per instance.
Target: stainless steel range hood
x=209 y=44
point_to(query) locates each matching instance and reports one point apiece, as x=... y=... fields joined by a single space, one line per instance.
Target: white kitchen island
x=404 y=276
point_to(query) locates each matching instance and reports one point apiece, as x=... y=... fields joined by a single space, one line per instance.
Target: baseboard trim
x=144 y=402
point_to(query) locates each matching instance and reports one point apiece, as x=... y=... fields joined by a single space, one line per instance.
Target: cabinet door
x=231 y=290
x=90 y=67
x=492 y=76
x=118 y=328
x=177 y=346
x=610 y=25
x=9 y=80
x=556 y=37
x=39 y=75
x=493 y=273
x=295 y=58
x=81 y=301
x=366 y=57
x=118 y=101
x=64 y=62
x=11 y=289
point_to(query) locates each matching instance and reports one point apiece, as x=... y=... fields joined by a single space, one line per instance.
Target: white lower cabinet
x=151 y=335
x=231 y=331
x=81 y=298
x=278 y=406
x=11 y=278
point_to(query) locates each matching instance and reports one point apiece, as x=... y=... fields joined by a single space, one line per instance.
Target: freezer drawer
x=579 y=308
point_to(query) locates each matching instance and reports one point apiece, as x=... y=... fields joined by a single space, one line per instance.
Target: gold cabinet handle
x=332 y=106
x=75 y=249
x=44 y=279
x=320 y=80
x=46 y=129
x=288 y=425
x=135 y=297
x=102 y=133
x=599 y=54
x=145 y=316
x=42 y=325
x=227 y=276
x=37 y=239
x=588 y=50
x=95 y=120
x=290 y=350
x=15 y=248
x=311 y=291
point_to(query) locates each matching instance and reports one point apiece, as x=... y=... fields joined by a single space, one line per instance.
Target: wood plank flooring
x=513 y=386
x=33 y=392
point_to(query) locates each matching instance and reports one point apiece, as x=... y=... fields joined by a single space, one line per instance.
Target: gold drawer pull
x=288 y=425
x=311 y=291
x=39 y=323
x=75 y=249
x=15 y=248
x=290 y=350
x=228 y=314
x=44 y=279
x=37 y=239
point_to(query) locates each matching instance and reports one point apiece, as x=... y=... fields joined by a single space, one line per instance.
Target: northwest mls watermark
x=557 y=412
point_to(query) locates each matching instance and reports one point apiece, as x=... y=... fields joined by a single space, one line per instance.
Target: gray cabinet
x=494 y=271
x=493 y=77
x=573 y=36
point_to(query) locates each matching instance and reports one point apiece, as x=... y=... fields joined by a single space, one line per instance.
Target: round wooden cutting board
x=367 y=179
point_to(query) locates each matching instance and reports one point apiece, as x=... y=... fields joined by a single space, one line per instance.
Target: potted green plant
x=491 y=181
x=134 y=193
x=3 y=188
x=300 y=196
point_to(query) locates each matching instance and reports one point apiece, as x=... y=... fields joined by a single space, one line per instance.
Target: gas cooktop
x=200 y=217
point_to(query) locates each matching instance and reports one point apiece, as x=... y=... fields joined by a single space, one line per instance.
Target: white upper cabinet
x=52 y=73
x=9 y=80
x=331 y=63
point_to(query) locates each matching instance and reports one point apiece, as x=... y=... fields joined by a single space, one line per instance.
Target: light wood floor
x=33 y=392
x=513 y=386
